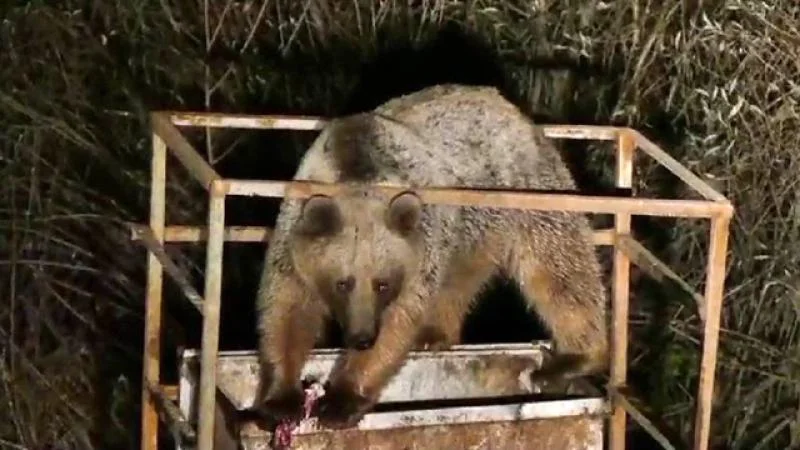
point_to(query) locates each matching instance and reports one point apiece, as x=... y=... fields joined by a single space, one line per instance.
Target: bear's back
x=445 y=135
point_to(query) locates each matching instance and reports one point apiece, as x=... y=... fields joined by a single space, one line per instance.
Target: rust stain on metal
x=216 y=120
x=582 y=132
x=194 y=119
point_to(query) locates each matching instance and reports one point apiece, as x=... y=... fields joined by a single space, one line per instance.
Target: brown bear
x=396 y=273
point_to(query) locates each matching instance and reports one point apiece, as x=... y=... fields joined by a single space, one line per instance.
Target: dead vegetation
x=714 y=82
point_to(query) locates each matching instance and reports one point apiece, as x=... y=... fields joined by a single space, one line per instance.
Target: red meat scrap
x=285 y=430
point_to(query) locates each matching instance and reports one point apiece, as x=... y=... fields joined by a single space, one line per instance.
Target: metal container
x=470 y=397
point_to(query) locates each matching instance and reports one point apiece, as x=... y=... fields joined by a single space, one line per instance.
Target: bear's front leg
x=356 y=386
x=289 y=326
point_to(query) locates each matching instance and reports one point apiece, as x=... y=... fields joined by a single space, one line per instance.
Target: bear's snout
x=361 y=341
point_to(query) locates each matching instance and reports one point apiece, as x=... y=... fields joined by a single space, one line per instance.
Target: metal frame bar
x=647 y=261
x=494 y=198
x=715 y=207
x=188 y=233
x=626 y=146
x=211 y=313
x=621 y=401
x=715 y=286
x=148 y=239
x=151 y=358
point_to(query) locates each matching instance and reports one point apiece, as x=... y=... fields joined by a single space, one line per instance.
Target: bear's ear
x=404 y=212
x=319 y=216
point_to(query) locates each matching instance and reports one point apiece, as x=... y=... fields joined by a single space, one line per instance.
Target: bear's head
x=358 y=252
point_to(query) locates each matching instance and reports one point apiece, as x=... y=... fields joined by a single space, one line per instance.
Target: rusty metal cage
x=158 y=398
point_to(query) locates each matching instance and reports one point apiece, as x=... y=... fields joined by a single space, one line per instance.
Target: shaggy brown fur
x=396 y=273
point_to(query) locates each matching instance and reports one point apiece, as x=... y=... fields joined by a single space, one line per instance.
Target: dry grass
x=717 y=84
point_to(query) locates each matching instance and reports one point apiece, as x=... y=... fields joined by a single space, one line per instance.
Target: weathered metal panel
x=478 y=373
x=573 y=433
x=557 y=425
x=464 y=372
x=187 y=393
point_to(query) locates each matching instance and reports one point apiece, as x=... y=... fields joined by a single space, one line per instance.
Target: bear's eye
x=380 y=286
x=345 y=285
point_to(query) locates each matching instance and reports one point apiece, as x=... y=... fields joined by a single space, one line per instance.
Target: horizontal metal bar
x=657 y=269
x=144 y=234
x=581 y=132
x=493 y=413
x=641 y=419
x=559 y=131
x=491 y=198
x=188 y=233
x=511 y=348
x=678 y=169
x=285 y=122
x=183 y=150
x=258 y=122
x=472 y=414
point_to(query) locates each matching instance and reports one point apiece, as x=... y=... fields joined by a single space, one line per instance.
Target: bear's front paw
x=342 y=407
x=433 y=339
x=284 y=404
x=557 y=372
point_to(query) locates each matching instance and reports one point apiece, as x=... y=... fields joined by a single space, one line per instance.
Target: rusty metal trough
x=470 y=397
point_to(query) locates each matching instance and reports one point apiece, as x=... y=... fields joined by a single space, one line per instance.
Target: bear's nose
x=362 y=341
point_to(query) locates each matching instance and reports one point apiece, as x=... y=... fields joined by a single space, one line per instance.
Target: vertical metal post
x=715 y=282
x=626 y=146
x=155 y=281
x=211 y=317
